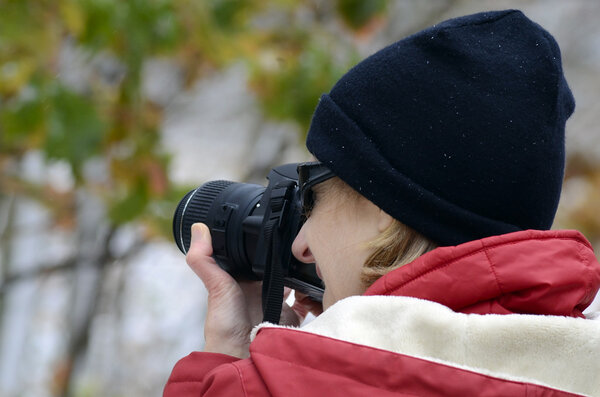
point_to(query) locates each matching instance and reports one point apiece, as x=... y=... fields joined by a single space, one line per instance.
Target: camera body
x=252 y=228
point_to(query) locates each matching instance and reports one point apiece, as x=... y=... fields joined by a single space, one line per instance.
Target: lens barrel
x=222 y=206
x=194 y=208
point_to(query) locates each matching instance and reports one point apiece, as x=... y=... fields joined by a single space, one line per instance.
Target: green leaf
x=20 y=124
x=227 y=13
x=131 y=205
x=74 y=130
x=357 y=13
x=292 y=90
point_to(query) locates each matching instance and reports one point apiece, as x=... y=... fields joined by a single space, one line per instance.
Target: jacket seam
x=292 y=363
x=585 y=260
x=493 y=269
x=239 y=372
x=185 y=381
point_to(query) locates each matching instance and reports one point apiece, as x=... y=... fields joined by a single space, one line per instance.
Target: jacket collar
x=356 y=337
x=537 y=272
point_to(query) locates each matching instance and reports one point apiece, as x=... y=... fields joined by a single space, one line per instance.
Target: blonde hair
x=394 y=247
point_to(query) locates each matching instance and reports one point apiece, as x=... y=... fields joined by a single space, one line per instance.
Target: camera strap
x=272 y=288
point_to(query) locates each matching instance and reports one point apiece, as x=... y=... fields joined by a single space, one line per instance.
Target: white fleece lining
x=559 y=352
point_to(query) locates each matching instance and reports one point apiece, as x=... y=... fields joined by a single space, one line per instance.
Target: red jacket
x=389 y=343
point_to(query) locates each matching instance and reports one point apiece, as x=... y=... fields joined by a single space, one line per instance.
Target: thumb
x=201 y=241
x=202 y=263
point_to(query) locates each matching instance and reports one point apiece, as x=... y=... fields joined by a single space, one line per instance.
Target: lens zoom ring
x=196 y=209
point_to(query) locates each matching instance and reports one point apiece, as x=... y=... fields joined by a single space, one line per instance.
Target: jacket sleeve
x=204 y=374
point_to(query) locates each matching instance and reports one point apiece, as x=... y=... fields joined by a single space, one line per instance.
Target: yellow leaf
x=15 y=74
x=73 y=17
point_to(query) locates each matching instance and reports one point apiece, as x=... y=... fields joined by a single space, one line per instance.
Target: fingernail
x=198 y=231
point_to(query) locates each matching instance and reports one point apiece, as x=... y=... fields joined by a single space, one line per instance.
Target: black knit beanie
x=456 y=131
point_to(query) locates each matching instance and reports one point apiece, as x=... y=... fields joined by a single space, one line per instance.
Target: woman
x=446 y=152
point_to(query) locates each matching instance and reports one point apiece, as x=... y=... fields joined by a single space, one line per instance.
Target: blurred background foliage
x=72 y=90
x=109 y=117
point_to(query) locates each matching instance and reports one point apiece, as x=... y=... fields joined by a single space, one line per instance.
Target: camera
x=252 y=229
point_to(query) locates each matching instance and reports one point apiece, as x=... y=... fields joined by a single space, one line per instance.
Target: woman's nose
x=300 y=248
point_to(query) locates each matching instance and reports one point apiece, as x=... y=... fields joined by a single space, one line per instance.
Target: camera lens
x=194 y=208
x=222 y=206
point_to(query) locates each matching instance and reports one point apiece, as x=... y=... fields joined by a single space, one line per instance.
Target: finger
x=201 y=241
x=253 y=295
x=300 y=310
x=286 y=293
x=203 y=264
x=308 y=303
x=290 y=317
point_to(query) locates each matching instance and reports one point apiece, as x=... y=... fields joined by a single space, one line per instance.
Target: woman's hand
x=304 y=304
x=233 y=307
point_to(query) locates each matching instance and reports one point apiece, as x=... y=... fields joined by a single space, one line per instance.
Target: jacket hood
x=530 y=272
x=443 y=341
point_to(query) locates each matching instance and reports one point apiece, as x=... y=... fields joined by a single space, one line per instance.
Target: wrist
x=234 y=348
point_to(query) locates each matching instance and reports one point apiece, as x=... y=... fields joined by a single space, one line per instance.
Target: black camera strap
x=272 y=288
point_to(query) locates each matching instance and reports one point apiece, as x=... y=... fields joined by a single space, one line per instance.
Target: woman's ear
x=384 y=220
